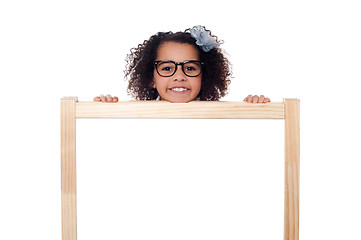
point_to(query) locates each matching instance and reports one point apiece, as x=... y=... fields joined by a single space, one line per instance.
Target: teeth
x=179 y=89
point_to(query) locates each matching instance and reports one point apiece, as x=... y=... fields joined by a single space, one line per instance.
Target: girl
x=179 y=67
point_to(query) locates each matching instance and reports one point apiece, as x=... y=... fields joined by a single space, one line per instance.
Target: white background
x=134 y=184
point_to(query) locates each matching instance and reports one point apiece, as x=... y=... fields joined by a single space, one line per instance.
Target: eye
x=190 y=68
x=166 y=69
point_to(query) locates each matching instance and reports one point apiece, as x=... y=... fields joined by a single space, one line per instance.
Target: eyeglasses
x=167 y=68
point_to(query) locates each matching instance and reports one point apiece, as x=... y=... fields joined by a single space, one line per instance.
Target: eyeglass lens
x=167 y=69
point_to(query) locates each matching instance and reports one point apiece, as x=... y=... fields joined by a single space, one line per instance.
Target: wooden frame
x=71 y=109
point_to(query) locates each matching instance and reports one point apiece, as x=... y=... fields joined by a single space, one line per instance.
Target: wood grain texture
x=292 y=168
x=195 y=109
x=68 y=169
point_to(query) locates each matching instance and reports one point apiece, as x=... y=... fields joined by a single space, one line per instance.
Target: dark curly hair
x=216 y=72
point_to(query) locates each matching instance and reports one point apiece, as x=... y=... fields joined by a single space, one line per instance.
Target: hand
x=108 y=98
x=256 y=99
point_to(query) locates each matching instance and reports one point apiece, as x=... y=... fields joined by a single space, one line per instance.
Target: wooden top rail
x=194 y=109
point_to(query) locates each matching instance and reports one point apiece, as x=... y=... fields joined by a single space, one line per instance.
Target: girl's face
x=178 y=88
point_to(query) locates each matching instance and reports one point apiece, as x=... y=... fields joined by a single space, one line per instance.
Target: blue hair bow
x=204 y=39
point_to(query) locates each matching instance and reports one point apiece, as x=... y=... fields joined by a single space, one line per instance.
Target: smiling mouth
x=179 y=89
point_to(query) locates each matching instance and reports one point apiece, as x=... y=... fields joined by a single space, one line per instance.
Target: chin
x=178 y=100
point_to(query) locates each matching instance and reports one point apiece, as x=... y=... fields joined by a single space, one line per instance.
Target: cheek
x=160 y=84
x=154 y=76
x=198 y=83
x=156 y=81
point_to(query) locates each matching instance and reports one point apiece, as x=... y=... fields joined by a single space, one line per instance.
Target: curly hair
x=216 y=72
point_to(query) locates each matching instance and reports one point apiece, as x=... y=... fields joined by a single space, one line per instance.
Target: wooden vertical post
x=292 y=168
x=68 y=168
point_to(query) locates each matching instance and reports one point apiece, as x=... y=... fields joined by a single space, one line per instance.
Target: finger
x=249 y=100
x=102 y=98
x=109 y=98
x=115 y=99
x=255 y=99
x=96 y=99
x=266 y=100
x=246 y=98
x=261 y=99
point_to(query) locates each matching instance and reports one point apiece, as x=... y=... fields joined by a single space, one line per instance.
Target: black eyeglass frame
x=176 y=66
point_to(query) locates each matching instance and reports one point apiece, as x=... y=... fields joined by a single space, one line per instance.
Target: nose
x=179 y=74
